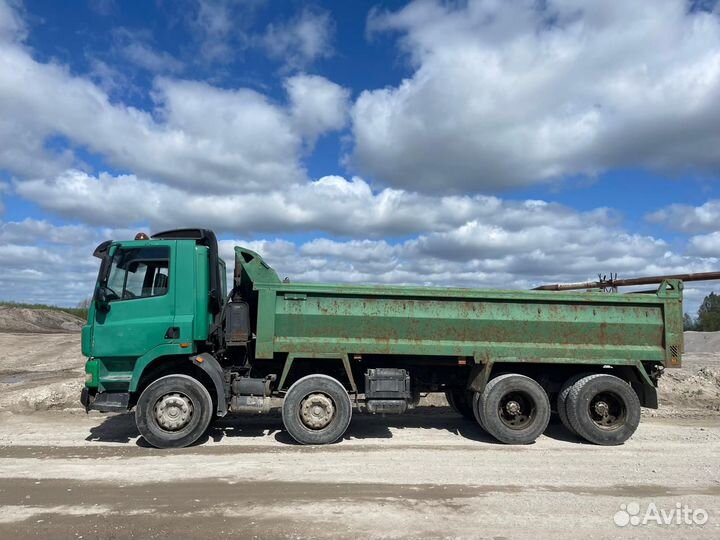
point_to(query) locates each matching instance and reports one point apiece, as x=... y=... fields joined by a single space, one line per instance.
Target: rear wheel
x=476 y=408
x=562 y=401
x=461 y=402
x=514 y=409
x=173 y=411
x=603 y=409
x=316 y=410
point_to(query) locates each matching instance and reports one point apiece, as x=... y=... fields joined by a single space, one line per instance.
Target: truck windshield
x=138 y=273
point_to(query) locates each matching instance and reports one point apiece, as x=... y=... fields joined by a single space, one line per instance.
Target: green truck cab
x=165 y=337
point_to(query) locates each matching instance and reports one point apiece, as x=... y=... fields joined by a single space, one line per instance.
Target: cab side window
x=139 y=273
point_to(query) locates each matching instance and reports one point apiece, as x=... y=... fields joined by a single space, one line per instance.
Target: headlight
x=88 y=377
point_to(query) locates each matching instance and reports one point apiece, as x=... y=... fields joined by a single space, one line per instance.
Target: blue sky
x=489 y=144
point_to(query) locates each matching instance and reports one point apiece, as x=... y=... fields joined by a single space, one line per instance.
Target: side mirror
x=102 y=303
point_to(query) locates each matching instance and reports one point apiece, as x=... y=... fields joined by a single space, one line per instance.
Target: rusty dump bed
x=484 y=325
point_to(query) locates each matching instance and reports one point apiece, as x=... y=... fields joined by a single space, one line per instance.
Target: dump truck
x=166 y=338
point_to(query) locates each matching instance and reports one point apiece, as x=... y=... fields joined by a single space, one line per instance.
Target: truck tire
x=476 y=408
x=562 y=401
x=514 y=409
x=461 y=402
x=476 y=403
x=316 y=410
x=603 y=409
x=173 y=411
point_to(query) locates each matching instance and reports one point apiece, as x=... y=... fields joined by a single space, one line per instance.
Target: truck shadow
x=363 y=426
x=367 y=426
x=116 y=428
x=557 y=431
x=120 y=428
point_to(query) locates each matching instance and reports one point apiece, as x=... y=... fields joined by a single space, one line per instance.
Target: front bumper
x=93 y=400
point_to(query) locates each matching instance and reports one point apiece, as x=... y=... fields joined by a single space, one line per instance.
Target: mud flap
x=479 y=376
x=211 y=366
x=647 y=394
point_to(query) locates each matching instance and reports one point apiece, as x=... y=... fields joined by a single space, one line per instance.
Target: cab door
x=139 y=302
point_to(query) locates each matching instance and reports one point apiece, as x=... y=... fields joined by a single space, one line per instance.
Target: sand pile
x=702 y=342
x=45 y=321
x=40 y=371
x=47 y=397
x=691 y=387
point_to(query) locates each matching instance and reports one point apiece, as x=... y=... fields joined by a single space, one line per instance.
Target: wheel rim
x=607 y=410
x=173 y=411
x=517 y=410
x=317 y=411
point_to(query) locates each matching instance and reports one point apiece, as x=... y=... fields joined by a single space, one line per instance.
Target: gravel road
x=429 y=474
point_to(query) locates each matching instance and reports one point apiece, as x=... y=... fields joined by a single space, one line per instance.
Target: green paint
x=333 y=322
x=489 y=325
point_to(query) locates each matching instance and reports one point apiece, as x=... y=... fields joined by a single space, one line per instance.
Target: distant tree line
x=708 y=317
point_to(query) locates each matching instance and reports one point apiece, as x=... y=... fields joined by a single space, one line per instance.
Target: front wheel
x=173 y=411
x=514 y=409
x=316 y=410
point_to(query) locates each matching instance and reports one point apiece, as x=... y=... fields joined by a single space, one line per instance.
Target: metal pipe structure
x=614 y=283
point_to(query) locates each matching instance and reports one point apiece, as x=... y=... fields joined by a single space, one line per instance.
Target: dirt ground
x=427 y=474
x=430 y=474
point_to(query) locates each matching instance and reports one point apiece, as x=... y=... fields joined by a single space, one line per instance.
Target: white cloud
x=331 y=204
x=12 y=26
x=102 y=200
x=34 y=253
x=689 y=219
x=508 y=94
x=705 y=245
x=104 y=8
x=225 y=30
x=451 y=239
x=376 y=261
x=533 y=252
x=19 y=256
x=316 y=105
x=221 y=27
x=301 y=40
x=3 y=189
x=45 y=263
x=136 y=51
x=198 y=136
x=35 y=231
x=111 y=80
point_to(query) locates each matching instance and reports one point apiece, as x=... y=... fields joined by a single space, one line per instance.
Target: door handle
x=172 y=333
